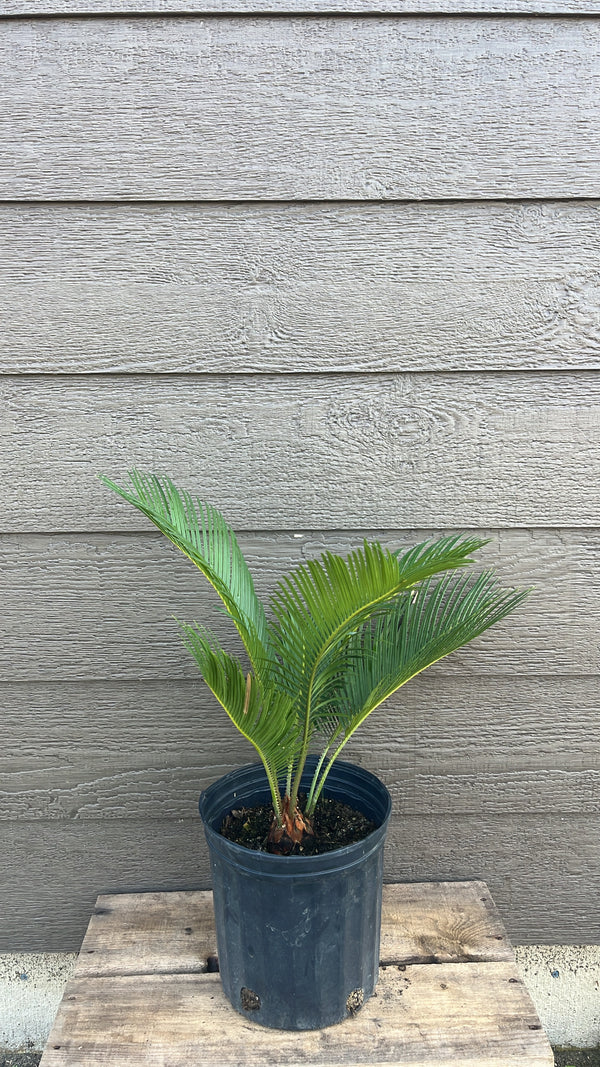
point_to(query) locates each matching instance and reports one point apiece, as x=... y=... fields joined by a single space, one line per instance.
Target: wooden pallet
x=449 y=991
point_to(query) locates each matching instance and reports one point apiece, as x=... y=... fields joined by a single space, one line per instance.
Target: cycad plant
x=344 y=633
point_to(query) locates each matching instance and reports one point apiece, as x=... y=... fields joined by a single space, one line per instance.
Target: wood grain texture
x=103 y=606
x=542 y=870
x=346 y=452
x=299 y=287
x=319 y=108
x=171 y=1010
x=480 y=1011
x=149 y=933
x=400 y=7
x=166 y=933
x=448 y=744
x=299 y=327
x=441 y=922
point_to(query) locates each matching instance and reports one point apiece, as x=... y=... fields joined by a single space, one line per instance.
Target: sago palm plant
x=344 y=633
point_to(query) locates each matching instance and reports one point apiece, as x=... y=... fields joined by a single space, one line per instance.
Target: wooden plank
x=173 y=933
x=441 y=922
x=298 y=287
x=354 y=451
x=108 y=603
x=53 y=870
x=319 y=108
x=149 y=933
x=160 y=944
x=448 y=744
x=480 y=1014
x=402 y=7
x=151 y=941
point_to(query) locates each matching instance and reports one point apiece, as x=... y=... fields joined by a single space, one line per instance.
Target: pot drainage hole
x=355 y=1001
x=250 y=1000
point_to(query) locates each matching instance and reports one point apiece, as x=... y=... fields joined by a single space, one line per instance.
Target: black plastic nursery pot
x=297 y=936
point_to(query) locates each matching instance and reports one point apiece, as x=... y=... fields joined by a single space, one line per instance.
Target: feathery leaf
x=202 y=534
x=346 y=632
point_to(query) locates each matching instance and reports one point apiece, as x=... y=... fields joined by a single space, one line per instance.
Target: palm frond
x=320 y=604
x=203 y=535
x=422 y=627
x=265 y=717
x=432 y=557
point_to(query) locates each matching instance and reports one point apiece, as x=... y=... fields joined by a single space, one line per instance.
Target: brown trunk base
x=294 y=826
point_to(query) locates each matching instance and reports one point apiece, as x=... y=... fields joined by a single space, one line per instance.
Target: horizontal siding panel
x=54 y=871
x=448 y=744
x=103 y=607
x=299 y=287
x=278 y=7
x=313 y=108
x=309 y=452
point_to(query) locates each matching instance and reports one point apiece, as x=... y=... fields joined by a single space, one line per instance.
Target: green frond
x=321 y=604
x=265 y=717
x=346 y=633
x=432 y=557
x=422 y=627
x=203 y=535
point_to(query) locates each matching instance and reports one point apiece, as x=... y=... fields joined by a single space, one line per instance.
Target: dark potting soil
x=335 y=825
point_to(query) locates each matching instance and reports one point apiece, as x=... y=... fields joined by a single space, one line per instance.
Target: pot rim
x=346 y=780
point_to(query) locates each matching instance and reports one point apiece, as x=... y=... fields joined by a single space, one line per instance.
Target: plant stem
x=316 y=787
x=309 y=804
x=298 y=776
x=319 y=788
x=275 y=793
x=304 y=749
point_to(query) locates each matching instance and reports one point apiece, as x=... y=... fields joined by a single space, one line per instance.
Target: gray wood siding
x=432 y=449
x=340 y=276
x=103 y=605
x=250 y=288
x=302 y=7
x=452 y=744
x=313 y=108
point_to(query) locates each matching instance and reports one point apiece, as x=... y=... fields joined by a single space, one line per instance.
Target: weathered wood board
x=253 y=288
x=423 y=922
x=449 y=992
x=344 y=451
x=314 y=108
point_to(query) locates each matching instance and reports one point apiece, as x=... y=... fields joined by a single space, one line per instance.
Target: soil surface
x=335 y=825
